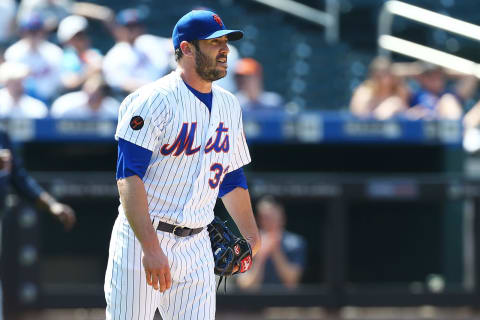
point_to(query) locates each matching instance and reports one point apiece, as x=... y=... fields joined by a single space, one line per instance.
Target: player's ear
x=186 y=48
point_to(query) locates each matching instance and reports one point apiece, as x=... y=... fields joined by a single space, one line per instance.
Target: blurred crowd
x=417 y=90
x=50 y=69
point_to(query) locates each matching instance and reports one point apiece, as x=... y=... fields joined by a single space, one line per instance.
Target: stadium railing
x=328 y=18
x=388 y=43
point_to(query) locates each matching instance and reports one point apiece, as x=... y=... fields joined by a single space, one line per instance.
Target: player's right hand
x=157 y=270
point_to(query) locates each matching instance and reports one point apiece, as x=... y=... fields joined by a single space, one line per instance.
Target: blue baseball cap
x=31 y=22
x=201 y=25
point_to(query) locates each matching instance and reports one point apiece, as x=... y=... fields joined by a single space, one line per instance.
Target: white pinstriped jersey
x=192 y=148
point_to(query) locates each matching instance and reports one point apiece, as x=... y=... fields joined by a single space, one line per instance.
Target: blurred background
x=363 y=122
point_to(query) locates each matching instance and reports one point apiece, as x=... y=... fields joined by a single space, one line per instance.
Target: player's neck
x=193 y=80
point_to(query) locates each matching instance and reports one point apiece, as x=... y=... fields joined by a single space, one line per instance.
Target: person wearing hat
x=180 y=147
x=228 y=82
x=435 y=98
x=43 y=58
x=250 y=94
x=92 y=102
x=14 y=103
x=136 y=58
x=52 y=11
x=79 y=59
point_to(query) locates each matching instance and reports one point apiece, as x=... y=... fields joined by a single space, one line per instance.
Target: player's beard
x=206 y=67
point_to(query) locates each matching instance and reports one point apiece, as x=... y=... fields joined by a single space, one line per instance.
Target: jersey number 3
x=217 y=168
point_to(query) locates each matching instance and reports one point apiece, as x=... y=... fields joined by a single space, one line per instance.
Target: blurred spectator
x=250 y=94
x=282 y=257
x=14 y=103
x=471 y=124
x=433 y=99
x=12 y=173
x=94 y=11
x=52 y=11
x=136 y=58
x=382 y=95
x=92 y=102
x=472 y=117
x=42 y=57
x=79 y=59
x=8 y=9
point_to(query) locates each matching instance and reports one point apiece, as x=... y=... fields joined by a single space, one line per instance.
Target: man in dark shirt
x=12 y=173
x=434 y=99
x=282 y=257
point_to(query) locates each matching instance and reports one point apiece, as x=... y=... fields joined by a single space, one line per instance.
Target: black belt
x=177 y=230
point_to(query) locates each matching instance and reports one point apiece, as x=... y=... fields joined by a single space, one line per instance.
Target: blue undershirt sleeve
x=132 y=160
x=231 y=181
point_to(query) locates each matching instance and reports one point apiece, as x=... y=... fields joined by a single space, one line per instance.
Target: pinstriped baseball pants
x=192 y=295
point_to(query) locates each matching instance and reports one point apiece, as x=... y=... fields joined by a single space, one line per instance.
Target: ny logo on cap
x=218 y=20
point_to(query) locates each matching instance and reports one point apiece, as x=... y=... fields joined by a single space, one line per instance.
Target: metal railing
x=328 y=19
x=388 y=43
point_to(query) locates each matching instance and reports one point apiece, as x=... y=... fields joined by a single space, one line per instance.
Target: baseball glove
x=232 y=254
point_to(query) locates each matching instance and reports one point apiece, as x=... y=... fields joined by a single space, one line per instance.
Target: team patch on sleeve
x=136 y=123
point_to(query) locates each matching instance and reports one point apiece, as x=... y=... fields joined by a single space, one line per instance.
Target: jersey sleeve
x=241 y=154
x=231 y=181
x=132 y=160
x=141 y=120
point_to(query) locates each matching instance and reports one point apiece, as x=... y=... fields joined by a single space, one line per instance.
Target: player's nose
x=225 y=49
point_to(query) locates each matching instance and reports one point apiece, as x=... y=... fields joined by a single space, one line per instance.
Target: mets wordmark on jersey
x=192 y=148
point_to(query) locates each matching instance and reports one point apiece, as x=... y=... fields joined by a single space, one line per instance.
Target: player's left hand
x=64 y=214
x=252 y=245
x=231 y=253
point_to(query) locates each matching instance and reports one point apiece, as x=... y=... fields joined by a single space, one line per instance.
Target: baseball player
x=180 y=146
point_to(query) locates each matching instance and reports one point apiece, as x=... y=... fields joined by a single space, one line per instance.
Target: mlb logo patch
x=136 y=123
